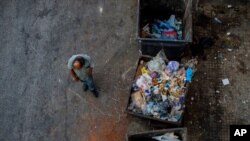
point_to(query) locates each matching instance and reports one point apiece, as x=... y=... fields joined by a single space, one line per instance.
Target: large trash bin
x=180 y=133
x=151 y=10
x=131 y=112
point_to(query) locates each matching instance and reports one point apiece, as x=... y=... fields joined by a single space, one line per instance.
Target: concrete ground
x=40 y=102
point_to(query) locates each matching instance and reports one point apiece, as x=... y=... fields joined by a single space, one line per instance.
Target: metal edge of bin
x=162 y=40
x=172 y=50
x=188 y=4
x=138 y=19
x=178 y=123
x=155 y=119
x=184 y=129
x=162 y=43
x=128 y=101
x=189 y=25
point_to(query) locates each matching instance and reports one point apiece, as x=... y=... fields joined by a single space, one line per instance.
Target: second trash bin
x=176 y=134
x=164 y=24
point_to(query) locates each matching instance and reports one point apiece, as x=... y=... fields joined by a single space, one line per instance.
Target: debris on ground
x=220 y=56
x=225 y=81
x=229 y=6
x=192 y=98
x=160 y=90
x=228 y=33
x=230 y=41
x=217 y=20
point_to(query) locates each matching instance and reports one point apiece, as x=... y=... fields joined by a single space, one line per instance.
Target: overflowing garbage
x=160 y=87
x=167 y=137
x=170 y=29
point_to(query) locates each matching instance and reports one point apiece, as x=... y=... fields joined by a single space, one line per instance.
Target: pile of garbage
x=167 y=137
x=170 y=29
x=159 y=89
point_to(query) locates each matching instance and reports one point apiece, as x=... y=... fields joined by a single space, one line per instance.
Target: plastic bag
x=157 y=64
x=173 y=66
x=188 y=74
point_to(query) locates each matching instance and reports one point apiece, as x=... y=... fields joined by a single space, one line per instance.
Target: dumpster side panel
x=188 y=31
x=173 y=50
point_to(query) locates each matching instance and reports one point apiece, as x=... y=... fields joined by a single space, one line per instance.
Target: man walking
x=80 y=68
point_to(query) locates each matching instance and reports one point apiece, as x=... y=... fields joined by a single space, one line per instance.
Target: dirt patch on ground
x=212 y=107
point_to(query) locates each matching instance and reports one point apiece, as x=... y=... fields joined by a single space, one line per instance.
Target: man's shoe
x=85 y=88
x=95 y=93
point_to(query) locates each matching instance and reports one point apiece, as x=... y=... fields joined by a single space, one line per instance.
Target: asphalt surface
x=38 y=100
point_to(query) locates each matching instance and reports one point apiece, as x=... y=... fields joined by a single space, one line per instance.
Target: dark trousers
x=88 y=82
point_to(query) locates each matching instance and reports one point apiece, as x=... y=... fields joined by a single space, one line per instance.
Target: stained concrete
x=38 y=99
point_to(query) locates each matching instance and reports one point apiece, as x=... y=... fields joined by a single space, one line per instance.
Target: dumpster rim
x=163 y=40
